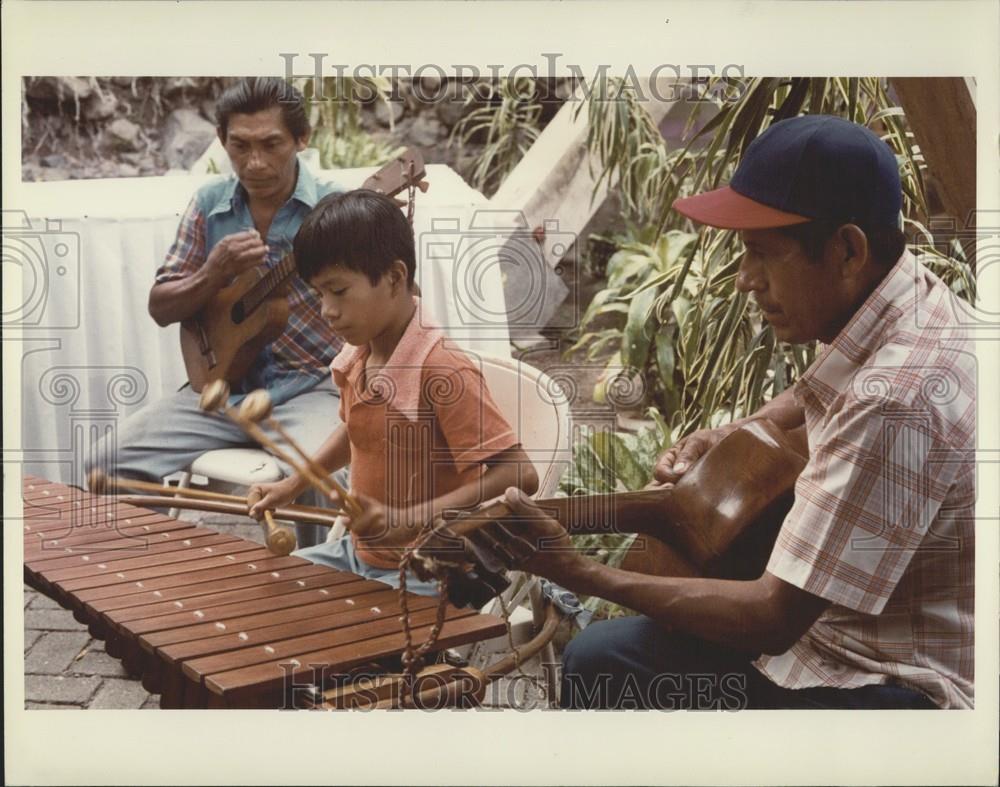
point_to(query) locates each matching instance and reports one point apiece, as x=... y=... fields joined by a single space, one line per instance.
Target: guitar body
x=722 y=517
x=656 y=558
x=745 y=559
x=221 y=342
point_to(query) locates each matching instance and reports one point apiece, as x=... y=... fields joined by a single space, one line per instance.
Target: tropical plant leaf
x=597 y=304
x=665 y=358
x=638 y=333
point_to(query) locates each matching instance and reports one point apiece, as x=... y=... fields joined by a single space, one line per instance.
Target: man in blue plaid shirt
x=233 y=224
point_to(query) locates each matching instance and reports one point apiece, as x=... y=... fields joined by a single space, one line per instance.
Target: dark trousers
x=631 y=662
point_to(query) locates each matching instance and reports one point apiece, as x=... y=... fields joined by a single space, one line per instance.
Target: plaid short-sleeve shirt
x=883 y=520
x=300 y=356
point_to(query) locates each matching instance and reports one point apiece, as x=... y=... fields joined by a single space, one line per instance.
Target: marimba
x=209 y=620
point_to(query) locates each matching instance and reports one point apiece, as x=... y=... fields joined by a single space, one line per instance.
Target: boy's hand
x=383 y=524
x=264 y=497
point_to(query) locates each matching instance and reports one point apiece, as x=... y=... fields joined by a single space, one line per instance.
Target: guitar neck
x=644 y=511
x=268 y=283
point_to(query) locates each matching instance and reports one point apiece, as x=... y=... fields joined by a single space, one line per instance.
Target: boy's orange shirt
x=419 y=427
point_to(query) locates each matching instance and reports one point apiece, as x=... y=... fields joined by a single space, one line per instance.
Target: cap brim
x=728 y=210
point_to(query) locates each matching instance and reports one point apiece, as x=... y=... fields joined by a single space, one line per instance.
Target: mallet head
x=281 y=542
x=214 y=396
x=97 y=481
x=256 y=406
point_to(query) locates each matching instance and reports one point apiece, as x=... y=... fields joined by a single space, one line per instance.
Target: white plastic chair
x=240 y=466
x=538 y=412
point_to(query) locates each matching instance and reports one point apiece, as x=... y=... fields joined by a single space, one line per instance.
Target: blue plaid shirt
x=298 y=359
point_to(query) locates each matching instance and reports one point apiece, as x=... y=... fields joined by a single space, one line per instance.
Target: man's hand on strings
x=235 y=254
x=540 y=544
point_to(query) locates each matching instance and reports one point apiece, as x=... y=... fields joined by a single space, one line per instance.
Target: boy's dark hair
x=885 y=244
x=361 y=230
x=256 y=94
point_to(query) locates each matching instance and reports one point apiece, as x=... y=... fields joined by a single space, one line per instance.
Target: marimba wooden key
x=213 y=620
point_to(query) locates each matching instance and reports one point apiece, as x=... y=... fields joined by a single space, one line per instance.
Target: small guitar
x=719 y=520
x=224 y=338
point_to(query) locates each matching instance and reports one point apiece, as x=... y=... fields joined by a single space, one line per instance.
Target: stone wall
x=98 y=127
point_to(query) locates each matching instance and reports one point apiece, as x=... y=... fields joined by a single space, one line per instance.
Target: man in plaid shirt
x=867 y=600
x=232 y=225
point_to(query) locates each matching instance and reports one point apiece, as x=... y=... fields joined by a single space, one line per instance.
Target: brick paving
x=66 y=668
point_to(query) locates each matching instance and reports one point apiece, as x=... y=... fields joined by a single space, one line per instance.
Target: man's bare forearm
x=181 y=299
x=783 y=411
x=173 y=301
x=760 y=616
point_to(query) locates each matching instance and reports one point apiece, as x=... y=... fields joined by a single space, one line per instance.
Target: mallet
x=214 y=397
x=99 y=483
x=257 y=408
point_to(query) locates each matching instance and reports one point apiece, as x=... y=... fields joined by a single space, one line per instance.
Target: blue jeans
x=630 y=663
x=170 y=434
x=340 y=554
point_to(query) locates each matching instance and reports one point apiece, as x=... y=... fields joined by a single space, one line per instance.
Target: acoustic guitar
x=224 y=338
x=719 y=520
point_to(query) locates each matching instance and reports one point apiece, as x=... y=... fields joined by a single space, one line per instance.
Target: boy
x=419 y=429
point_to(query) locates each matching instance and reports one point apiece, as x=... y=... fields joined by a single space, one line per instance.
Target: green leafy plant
x=670 y=311
x=337 y=135
x=631 y=150
x=510 y=122
x=650 y=176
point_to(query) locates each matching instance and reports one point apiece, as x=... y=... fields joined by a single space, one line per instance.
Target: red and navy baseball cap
x=802 y=169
